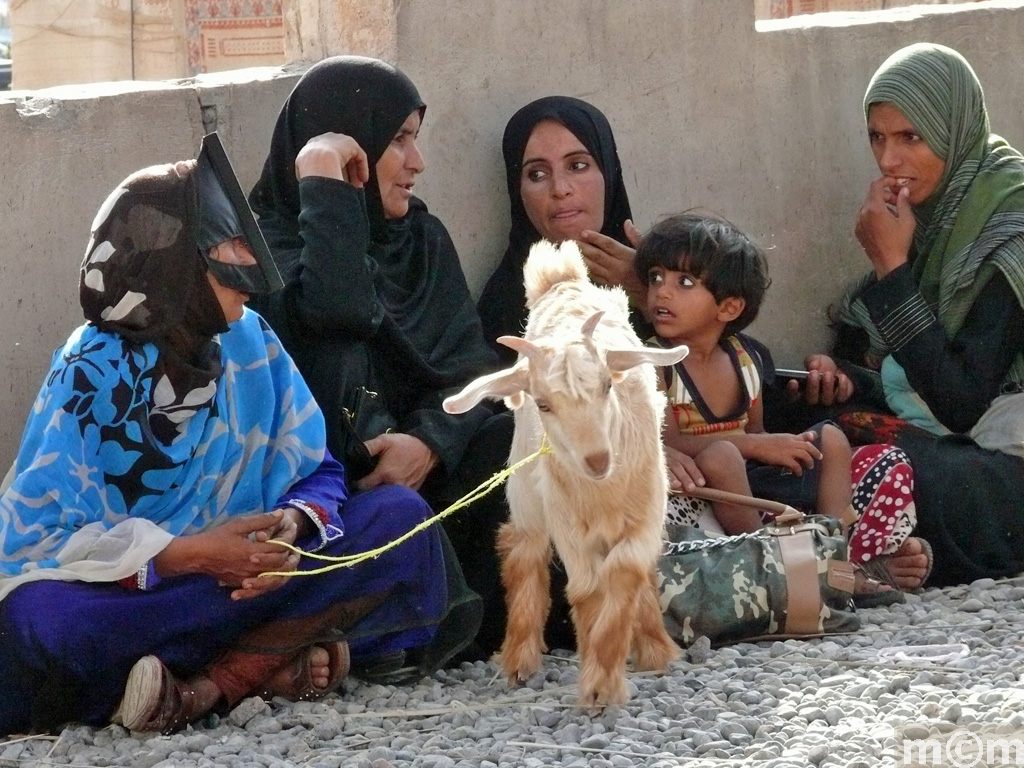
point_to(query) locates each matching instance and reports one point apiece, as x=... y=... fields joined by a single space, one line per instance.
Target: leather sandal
x=294 y=681
x=155 y=700
x=872 y=593
x=879 y=567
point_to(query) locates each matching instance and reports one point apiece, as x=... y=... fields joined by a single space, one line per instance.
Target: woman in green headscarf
x=941 y=315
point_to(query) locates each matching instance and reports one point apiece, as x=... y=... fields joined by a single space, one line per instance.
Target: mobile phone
x=785 y=374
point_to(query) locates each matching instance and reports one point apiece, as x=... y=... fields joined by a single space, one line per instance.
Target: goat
x=600 y=493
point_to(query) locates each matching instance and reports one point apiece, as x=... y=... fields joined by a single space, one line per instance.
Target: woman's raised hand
x=611 y=263
x=333 y=156
x=885 y=225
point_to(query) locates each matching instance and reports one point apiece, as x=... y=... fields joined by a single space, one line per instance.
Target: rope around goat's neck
x=347 y=561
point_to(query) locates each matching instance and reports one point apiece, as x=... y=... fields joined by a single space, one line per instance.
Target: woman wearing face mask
x=172 y=439
x=375 y=308
x=564 y=183
x=938 y=323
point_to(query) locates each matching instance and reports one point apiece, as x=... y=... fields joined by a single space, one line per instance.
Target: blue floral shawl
x=113 y=462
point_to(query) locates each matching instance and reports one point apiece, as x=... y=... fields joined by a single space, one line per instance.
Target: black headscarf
x=502 y=305
x=144 y=278
x=400 y=301
x=364 y=98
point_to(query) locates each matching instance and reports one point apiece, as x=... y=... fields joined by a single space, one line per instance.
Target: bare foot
x=307 y=675
x=319 y=666
x=910 y=564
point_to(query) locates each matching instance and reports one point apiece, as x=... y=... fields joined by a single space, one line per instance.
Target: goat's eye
x=607 y=387
x=543 y=406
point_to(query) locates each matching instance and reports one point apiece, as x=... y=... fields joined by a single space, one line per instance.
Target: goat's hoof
x=517 y=676
x=656 y=656
x=520 y=665
x=597 y=700
x=601 y=693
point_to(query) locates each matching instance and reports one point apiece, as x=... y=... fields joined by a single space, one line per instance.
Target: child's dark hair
x=713 y=250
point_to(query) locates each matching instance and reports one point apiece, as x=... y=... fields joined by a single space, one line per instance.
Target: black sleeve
x=958 y=378
x=502 y=309
x=332 y=290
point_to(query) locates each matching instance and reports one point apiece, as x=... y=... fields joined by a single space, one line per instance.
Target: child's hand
x=683 y=474
x=794 y=452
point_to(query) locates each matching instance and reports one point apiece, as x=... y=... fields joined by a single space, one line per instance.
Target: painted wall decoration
x=231 y=34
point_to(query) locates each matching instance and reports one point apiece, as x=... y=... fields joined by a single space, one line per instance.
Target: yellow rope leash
x=347 y=561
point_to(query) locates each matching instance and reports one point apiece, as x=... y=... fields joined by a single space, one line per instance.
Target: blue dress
x=114 y=463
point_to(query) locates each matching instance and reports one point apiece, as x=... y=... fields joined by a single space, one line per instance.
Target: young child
x=706 y=281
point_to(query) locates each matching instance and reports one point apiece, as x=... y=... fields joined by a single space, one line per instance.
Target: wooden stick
x=712 y=494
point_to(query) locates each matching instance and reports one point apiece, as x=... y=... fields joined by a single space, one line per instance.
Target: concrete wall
x=763 y=126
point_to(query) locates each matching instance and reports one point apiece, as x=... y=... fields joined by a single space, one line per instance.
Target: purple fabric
x=66 y=647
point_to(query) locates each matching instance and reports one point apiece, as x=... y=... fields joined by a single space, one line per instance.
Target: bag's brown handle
x=776 y=508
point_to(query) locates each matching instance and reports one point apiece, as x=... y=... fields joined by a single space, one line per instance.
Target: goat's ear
x=525 y=348
x=503 y=384
x=621 y=360
x=515 y=400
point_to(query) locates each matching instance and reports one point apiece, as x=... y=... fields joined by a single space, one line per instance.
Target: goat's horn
x=525 y=348
x=590 y=325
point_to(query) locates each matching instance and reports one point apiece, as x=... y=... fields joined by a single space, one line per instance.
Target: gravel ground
x=945 y=664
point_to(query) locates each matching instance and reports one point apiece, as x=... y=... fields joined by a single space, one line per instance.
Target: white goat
x=600 y=494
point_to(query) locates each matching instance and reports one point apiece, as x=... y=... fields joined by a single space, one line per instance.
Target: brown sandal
x=294 y=681
x=872 y=593
x=880 y=567
x=155 y=700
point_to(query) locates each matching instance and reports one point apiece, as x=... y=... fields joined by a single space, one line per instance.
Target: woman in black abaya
x=375 y=309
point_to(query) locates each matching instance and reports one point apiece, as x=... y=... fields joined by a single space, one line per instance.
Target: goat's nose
x=598 y=463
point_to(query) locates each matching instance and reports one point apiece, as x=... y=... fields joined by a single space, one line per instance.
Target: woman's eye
x=579 y=165
x=535 y=174
x=873 y=137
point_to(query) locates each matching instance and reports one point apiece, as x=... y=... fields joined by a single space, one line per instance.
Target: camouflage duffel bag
x=792 y=578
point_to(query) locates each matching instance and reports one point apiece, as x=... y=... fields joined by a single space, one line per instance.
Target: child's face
x=679 y=305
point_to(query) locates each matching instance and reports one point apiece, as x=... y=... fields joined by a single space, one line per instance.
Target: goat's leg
x=606 y=618
x=525 y=557
x=652 y=646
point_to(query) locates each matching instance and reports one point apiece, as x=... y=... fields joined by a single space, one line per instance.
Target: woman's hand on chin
x=333 y=156
x=402 y=460
x=885 y=225
x=611 y=263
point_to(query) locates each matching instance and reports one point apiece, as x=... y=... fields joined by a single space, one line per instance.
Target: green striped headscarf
x=973 y=224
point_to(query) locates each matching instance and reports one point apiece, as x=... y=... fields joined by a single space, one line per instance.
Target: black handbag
x=364 y=417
